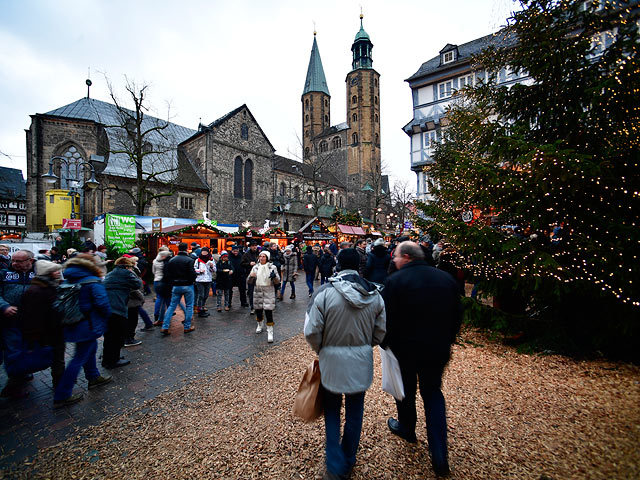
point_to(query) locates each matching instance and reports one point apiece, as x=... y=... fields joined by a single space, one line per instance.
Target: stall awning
x=346 y=229
x=358 y=231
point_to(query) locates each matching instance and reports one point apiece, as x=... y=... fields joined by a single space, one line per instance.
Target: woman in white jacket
x=205 y=268
x=265 y=275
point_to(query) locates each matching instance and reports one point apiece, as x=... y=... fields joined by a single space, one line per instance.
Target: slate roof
x=12 y=184
x=333 y=130
x=118 y=164
x=315 y=81
x=465 y=52
x=293 y=167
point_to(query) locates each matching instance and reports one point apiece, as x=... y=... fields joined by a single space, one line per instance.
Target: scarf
x=204 y=258
x=264 y=272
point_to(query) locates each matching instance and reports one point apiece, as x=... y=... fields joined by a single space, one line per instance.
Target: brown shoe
x=190 y=329
x=164 y=332
x=226 y=309
x=157 y=323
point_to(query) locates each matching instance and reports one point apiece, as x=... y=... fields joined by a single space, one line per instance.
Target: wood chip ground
x=509 y=416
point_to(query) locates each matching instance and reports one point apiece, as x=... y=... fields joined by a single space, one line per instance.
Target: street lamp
x=74 y=168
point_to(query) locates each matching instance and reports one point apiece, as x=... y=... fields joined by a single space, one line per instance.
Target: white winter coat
x=204 y=271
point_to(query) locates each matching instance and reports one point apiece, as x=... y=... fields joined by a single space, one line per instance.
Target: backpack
x=67 y=302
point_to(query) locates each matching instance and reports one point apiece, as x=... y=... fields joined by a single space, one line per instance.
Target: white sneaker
x=259 y=329
x=270 y=333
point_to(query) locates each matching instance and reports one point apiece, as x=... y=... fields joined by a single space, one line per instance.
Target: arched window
x=283 y=188
x=326 y=119
x=306 y=118
x=354 y=137
x=332 y=199
x=354 y=99
x=326 y=102
x=377 y=139
x=375 y=100
x=340 y=202
x=375 y=117
x=248 y=179
x=324 y=146
x=296 y=192
x=306 y=133
x=244 y=131
x=306 y=104
x=375 y=82
x=309 y=196
x=237 y=178
x=337 y=142
x=354 y=117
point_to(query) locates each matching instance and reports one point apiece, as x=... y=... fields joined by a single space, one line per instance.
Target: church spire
x=316 y=81
x=361 y=49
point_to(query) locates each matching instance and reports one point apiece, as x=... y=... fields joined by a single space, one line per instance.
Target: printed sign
x=120 y=230
x=72 y=223
x=467 y=216
x=156 y=225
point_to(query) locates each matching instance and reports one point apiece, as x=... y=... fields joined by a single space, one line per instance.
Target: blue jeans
x=176 y=294
x=162 y=303
x=293 y=287
x=145 y=317
x=309 y=277
x=341 y=455
x=83 y=357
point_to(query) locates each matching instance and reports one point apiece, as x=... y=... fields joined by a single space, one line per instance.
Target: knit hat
x=264 y=252
x=135 y=250
x=288 y=247
x=378 y=241
x=45 y=267
x=224 y=252
x=235 y=247
x=349 y=259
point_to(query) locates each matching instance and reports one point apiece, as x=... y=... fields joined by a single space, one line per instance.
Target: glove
x=273 y=275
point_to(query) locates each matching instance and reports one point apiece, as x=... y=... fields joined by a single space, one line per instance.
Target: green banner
x=120 y=230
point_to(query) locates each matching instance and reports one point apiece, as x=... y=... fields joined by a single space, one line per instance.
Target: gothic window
x=326 y=102
x=340 y=202
x=337 y=142
x=244 y=131
x=306 y=104
x=324 y=146
x=296 y=192
x=248 y=179
x=354 y=117
x=306 y=118
x=376 y=117
x=306 y=133
x=377 y=139
x=283 y=189
x=354 y=137
x=73 y=156
x=332 y=200
x=375 y=100
x=354 y=99
x=326 y=119
x=306 y=152
x=309 y=196
x=237 y=178
x=375 y=82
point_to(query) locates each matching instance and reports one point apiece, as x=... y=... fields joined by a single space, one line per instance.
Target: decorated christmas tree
x=537 y=184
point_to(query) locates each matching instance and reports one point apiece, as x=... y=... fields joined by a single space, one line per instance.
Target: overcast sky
x=206 y=58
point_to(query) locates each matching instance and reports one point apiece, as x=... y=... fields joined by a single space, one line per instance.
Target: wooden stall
x=314 y=232
x=278 y=236
x=172 y=236
x=347 y=233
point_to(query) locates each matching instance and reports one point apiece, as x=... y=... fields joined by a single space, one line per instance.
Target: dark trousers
x=114 y=339
x=414 y=364
x=267 y=313
x=243 y=293
x=341 y=453
x=250 y=288
x=132 y=322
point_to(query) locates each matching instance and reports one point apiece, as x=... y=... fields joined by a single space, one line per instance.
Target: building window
x=448 y=57
x=3 y=218
x=237 y=178
x=324 y=146
x=306 y=118
x=444 y=89
x=332 y=199
x=13 y=204
x=375 y=100
x=296 y=192
x=306 y=104
x=186 y=203
x=11 y=220
x=375 y=82
x=244 y=131
x=5 y=204
x=248 y=179
x=326 y=119
x=306 y=152
x=340 y=202
x=354 y=117
x=354 y=137
x=283 y=188
x=309 y=196
x=306 y=133
x=354 y=99
x=326 y=102
x=337 y=142
x=377 y=139
x=465 y=80
x=22 y=219
x=375 y=118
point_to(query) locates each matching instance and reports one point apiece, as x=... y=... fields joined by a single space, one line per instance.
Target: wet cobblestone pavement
x=159 y=364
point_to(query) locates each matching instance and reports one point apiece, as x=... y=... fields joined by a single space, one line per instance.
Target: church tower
x=315 y=101
x=363 y=115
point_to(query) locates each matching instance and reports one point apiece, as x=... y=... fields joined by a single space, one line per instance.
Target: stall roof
x=349 y=230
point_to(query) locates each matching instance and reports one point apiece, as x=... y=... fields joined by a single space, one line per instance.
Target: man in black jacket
x=249 y=259
x=180 y=275
x=423 y=318
x=239 y=277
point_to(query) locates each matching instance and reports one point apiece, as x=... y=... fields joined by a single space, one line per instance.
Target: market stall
x=314 y=232
x=203 y=235
x=347 y=233
x=277 y=235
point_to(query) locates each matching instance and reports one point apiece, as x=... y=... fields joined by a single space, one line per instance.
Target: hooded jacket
x=119 y=283
x=93 y=300
x=342 y=324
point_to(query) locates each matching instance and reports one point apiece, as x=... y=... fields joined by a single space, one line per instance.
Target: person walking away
x=143 y=266
x=265 y=275
x=377 y=263
x=343 y=322
x=134 y=307
x=205 y=268
x=326 y=265
x=38 y=321
x=289 y=271
x=310 y=263
x=249 y=259
x=276 y=259
x=118 y=283
x=239 y=276
x=94 y=304
x=423 y=318
x=362 y=252
x=14 y=282
x=223 y=282
x=162 y=300
x=181 y=275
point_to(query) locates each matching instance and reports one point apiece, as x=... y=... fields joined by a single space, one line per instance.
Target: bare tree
x=376 y=189
x=141 y=148
x=402 y=196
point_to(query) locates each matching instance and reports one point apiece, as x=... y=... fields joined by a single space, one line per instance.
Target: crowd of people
x=371 y=293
